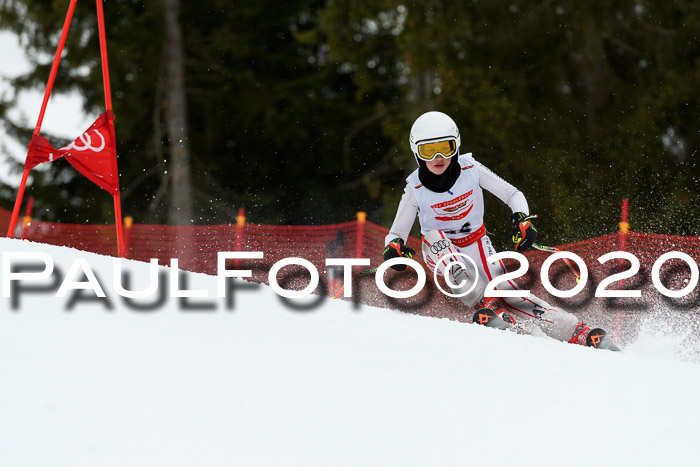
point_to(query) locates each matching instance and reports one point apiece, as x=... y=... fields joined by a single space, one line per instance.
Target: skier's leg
x=557 y=323
x=553 y=321
x=457 y=270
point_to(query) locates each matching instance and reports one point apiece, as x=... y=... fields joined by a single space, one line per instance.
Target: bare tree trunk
x=594 y=75
x=421 y=92
x=180 y=212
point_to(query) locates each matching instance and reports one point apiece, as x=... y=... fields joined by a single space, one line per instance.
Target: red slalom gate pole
x=624 y=230
x=103 y=54
x=121 y=249
x=54 y=67
x=40 y=120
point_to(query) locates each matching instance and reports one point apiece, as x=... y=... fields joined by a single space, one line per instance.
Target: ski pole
x=364 y=272
x=552 y=249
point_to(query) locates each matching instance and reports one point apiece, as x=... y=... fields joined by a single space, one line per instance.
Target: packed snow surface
x=263 y=384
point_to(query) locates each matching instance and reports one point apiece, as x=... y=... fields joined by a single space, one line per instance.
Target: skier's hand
x=396 y=248
x=524 y=234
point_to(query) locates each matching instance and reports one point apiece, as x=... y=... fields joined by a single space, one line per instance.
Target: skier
x=446 y=194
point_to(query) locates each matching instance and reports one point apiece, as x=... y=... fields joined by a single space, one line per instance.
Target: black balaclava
x=439 y=183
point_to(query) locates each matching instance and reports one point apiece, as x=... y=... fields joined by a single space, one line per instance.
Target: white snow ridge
x=261 y=384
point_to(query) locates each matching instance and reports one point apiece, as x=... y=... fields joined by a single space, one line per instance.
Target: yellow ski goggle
x=429 y=151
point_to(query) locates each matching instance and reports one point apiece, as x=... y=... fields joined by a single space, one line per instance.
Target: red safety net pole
x=128 y=223
x=26 y=222
x=361 y=219
x=240 y=225
x=108 y=105
x=37 y=129
x=624 y=229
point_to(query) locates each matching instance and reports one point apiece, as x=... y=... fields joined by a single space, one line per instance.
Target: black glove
x=396 y=248
x=524 y=234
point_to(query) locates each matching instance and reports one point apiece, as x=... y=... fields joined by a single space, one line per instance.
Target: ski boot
x=596 y=338
x=491 y=313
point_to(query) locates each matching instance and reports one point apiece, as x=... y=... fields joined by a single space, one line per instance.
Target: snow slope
x=265 y=385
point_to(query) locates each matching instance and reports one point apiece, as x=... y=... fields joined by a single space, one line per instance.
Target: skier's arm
x=405 y=217
x=502 y=190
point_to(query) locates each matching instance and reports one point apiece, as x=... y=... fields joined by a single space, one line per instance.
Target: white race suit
x=453 y=222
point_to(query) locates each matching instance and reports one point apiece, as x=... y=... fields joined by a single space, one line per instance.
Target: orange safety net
x=196 y=248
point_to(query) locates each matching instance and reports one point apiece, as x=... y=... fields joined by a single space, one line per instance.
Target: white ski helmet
x=432 y=127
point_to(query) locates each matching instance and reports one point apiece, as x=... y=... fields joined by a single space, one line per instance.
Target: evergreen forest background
x=299 y=111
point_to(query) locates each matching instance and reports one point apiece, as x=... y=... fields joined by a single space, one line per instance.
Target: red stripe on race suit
x=515 y=287
x=508 y=305
x=483 y=260
x=482 y=254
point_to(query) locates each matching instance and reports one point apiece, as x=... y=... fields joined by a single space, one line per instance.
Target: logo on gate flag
x=93 y=154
